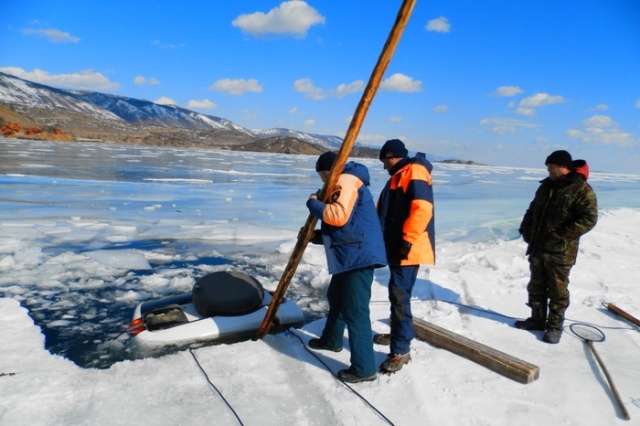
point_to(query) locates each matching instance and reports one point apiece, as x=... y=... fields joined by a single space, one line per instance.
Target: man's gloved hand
x=315 y=239
x=403 y=250
x=315 y=195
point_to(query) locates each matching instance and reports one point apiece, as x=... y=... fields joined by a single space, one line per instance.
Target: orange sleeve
x=420 y=215
x=421 y=209
x=338 y=211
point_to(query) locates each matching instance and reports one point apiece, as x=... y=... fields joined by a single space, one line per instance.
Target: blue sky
x=497 y=82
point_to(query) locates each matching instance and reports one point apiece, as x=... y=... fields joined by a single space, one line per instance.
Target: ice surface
x=82 y=242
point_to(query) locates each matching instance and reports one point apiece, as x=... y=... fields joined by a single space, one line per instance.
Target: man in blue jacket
x=354 y=246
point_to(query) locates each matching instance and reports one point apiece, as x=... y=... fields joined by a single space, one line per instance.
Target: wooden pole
x=356 y=123
x=625 y=413
x=613 y=308
x=497 y=361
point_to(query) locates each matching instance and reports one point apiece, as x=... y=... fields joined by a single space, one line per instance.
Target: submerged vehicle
x=223 y=307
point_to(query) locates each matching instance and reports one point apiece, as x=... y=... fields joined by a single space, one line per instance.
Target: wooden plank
x=493 y=359
x=613 y=308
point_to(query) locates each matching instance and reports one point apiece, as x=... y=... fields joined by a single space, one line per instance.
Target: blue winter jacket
x=350 y=228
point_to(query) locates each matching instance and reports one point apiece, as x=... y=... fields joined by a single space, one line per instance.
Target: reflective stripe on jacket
x=406 y=212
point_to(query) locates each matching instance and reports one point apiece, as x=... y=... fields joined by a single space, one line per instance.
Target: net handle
x=589 y=334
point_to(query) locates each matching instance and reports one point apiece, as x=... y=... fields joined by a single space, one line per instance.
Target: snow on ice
x=87 y=231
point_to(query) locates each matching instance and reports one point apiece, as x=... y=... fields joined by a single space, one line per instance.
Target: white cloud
x=143 y=81
x=236 y=86
x=439 y=25
x=525 y=111
x=401 y=83
x=249 y=117
x=82 y=80
x=293 y=110
x=637 y=104
x=52 y=34
x=372 y=138
x=394 y=119
x=290 y=17
x=601 y=107
x=165 y=101
x=508 y=91
x=441 y=108
x=346 y=89
x=310 y=91
x=527 y=106
x=309 y=122
x=506 y=125
x=541 y=99
x=602 y=129
x=168 y=45
x=599 y=121
x=203 y=104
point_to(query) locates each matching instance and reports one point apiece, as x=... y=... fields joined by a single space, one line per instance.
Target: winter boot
x=537 y=320
x=394 y=362
x=319 y=344
x=554 y=326
x=552 y=336
x=348 y=376
x=382 y=339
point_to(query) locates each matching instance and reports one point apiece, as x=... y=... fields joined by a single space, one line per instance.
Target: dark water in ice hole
x=95 y=334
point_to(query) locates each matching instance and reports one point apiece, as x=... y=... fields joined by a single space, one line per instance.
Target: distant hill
x=462 y=162
x=44 y=112
x=110 y=118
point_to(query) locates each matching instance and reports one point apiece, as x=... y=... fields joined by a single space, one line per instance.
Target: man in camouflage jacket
x=563 y=209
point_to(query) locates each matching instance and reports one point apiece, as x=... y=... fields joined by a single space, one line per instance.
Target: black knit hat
x=393 y=148
x=325 y=161
x=560 y=158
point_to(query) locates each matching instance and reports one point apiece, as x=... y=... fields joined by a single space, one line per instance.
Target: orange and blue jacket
x=406 y=212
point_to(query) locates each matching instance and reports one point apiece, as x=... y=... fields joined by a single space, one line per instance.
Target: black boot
x=320 y=344
x=552 y=336
x=554 y=326
x=538 y=318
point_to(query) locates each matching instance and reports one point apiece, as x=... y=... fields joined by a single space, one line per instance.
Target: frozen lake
x=87 y=231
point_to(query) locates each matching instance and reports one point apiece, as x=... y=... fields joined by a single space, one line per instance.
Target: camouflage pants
x=549 y=286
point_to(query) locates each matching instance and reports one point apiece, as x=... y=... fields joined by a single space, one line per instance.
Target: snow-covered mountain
x=329 y=142
x=15 y=91
x=136 y=111
x=111 y=113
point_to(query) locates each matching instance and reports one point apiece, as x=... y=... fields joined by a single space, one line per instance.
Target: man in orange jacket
x=405 y=209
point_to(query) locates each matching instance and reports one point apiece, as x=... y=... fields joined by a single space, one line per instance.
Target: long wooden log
x=613 y=308
x=499 y=362
x=354 y=127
